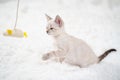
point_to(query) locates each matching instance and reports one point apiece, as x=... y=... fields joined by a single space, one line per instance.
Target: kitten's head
x=55 y=26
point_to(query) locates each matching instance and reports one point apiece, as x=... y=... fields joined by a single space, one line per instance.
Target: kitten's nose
x=47 y=31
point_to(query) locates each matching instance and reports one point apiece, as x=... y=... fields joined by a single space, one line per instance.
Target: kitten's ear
x=48 y=17
x=59 y=21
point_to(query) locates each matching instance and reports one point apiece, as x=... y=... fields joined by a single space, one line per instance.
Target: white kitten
x=70 y=49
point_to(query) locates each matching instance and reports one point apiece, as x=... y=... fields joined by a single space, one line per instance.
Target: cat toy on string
x=15 y=32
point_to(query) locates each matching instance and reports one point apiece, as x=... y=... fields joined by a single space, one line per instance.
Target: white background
x=95 y=21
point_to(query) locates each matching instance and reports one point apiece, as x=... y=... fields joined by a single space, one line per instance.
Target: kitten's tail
x=101 y=57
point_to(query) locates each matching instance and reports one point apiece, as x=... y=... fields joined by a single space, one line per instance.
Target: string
x=16 y=14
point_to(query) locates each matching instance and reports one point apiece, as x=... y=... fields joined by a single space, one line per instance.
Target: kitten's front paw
x=45 y=57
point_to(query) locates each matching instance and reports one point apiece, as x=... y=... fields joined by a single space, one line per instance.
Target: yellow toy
x=15 y=32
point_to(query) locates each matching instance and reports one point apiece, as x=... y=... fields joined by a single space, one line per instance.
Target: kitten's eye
x=51 y=28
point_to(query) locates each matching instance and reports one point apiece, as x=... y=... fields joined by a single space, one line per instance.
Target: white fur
x=70 y=49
